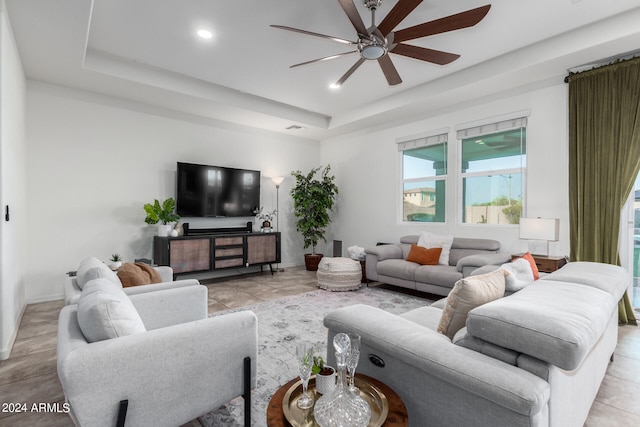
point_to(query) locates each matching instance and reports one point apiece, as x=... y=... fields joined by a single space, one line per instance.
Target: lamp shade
x=277 y=180
x=539 y=229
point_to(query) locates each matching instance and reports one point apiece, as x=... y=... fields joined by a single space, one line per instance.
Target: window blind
x=492 y=128
x=423 y=142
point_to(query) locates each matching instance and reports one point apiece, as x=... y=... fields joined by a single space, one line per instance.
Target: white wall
x=12 y=186
x=367 y=173
x=94 y=161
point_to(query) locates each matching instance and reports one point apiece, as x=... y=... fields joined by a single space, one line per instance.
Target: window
x=493 y=165
x=424 y=173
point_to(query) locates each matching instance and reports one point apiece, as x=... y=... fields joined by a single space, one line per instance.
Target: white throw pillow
x=105 y=312
x=93 y=268
x=520 y=274
x=430 y=240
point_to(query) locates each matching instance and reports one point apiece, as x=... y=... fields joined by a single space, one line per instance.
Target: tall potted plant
x=313 y=198
x=161 y=214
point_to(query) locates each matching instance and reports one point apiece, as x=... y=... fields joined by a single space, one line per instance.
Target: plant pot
x=326 y=383
x=164 y=229
x=311 y=261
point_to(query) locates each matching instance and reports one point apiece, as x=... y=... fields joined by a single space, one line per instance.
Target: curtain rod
x=601 y=63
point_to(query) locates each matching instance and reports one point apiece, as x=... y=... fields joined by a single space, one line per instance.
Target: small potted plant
x=266 y=218
x=325 y=375
x=162 y=214
x=116 y=261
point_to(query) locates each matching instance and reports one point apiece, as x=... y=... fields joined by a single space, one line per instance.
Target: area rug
x=284 y=322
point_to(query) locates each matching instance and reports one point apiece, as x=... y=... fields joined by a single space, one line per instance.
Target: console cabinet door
x=263 y=248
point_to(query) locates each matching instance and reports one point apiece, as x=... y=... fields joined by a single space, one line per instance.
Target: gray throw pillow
x=105 y=312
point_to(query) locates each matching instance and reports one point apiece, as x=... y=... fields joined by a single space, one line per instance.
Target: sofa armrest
x=472 y=262
x=429 y=359
x=165 y=272
x=378 y=253
x=153 y=370
x=171 y=306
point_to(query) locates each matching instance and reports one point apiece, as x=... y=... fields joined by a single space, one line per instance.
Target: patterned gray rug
x=282 y=323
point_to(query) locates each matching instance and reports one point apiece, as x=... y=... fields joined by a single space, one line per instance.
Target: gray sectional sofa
x=533 y=358
x=388 y=264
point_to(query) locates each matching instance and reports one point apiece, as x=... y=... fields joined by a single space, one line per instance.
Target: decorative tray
x=304 y=418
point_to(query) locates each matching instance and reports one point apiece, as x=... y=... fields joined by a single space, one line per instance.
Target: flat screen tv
x=216 y=191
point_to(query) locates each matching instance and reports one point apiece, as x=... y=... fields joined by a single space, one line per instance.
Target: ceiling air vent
x=294 y=127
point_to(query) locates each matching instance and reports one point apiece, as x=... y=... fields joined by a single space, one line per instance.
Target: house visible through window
x=493 y=165
x=424 y=173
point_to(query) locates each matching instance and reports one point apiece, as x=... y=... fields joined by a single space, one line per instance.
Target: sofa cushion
x=105 y=312
x=424 y=256
x=139 y=273
x=441 y=275
x=92 y=268
x=397 y=268
x=553 y=321
x=610 y=278
x=431 y=240
x=467 y=294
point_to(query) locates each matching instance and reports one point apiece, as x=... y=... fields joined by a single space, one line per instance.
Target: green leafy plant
x=319 y=367
x=163 y=213
x=313 y=199
x=116 y=258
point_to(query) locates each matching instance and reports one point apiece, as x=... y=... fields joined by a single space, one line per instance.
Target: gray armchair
x=183 y=366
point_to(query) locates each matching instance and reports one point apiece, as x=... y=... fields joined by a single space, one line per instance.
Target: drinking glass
x=352 y=359
x=304 y=357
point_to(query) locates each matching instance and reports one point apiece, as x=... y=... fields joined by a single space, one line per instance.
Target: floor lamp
x=277 y=180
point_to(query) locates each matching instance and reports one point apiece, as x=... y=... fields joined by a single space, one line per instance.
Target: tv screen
x=215 y=191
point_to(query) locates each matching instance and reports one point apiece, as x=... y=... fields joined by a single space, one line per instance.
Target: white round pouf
x=339 y=274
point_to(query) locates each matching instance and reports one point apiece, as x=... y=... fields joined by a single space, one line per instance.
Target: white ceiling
x=147 y=51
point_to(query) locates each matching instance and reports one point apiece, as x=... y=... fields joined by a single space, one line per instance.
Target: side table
x=397 y=416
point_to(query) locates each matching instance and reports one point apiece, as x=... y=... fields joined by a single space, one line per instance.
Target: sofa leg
x=247 y=391
x=122 y=413
x=611 y=358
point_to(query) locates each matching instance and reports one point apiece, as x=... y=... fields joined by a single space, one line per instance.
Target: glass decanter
x=341 y=407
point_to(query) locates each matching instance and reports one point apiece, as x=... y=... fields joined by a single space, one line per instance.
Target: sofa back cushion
x=555 y=322
x=92 y=268
x=610 y=278
x=105 y=312
x=460 y=247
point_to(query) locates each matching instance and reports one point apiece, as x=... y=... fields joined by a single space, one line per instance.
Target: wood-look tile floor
x=29 y=375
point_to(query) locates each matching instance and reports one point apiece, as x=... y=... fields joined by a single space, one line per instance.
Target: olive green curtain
x=604 y=159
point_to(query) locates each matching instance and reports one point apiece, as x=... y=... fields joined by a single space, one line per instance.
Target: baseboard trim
x=6 y=352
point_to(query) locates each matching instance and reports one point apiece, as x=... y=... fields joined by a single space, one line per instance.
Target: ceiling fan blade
x=323 y=59
x=354 y=16
x=349 y=72
x=422 y=53
x=397 y=14
x=389 y=70
x=310 y=33
x=458 y=21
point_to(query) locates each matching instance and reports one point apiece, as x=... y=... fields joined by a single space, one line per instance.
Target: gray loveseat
x=533 y=358
x=388 y=264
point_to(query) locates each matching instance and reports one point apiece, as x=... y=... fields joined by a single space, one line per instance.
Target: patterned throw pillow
x=467 y=294
x=430 y=240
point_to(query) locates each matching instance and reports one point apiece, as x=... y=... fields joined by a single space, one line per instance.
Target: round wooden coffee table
x=397 y=416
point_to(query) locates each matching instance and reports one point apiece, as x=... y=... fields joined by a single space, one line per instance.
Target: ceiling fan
x=377 y=42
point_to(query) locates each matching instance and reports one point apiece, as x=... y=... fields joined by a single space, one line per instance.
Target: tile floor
x=29 y=375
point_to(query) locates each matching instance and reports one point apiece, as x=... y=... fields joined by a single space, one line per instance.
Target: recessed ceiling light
x=334 y=86
x=205 y=34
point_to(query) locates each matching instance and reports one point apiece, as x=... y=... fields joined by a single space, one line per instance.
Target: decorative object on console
x=162 y=214
x=540 y=229
x=313 y=199
x=266 y=218
x=116 y=261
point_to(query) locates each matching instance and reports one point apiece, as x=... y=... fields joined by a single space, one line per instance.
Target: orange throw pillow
x=424 y=256
x=534 y=267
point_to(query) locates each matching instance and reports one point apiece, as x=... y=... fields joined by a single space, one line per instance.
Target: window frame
x=489 y=128
x=427 y=140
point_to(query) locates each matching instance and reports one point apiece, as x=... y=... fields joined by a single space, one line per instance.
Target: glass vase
x=341 y=407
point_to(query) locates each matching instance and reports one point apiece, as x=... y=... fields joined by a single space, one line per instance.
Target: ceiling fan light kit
x=377 y=42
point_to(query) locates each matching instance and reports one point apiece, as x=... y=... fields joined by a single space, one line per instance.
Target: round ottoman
x=339 y=274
